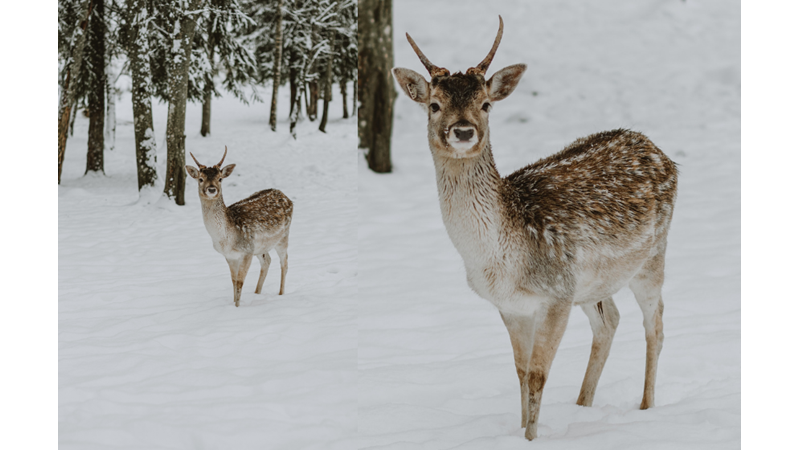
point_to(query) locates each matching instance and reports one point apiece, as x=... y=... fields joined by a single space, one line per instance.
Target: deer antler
x=200 y=166
x=481 y=68
x=223 y=158
x=434 y=70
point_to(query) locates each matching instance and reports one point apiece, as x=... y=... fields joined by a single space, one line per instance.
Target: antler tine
x=200 y=166
x=434 y=70
x=481 y=68
x=223 y=158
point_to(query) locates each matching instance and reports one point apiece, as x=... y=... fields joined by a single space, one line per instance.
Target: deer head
x=209 y=179
x=459 y=104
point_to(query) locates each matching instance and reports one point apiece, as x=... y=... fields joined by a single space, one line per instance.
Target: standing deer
x=570 y=229
x=252 y=226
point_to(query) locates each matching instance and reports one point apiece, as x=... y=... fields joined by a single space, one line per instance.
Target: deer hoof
x=530 y=431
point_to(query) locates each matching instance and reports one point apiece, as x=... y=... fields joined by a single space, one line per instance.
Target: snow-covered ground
x=436 y=369
x=152 y=352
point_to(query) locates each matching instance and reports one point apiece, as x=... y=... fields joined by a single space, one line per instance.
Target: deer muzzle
x=462 y=137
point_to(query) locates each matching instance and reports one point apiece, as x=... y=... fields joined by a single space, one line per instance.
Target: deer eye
x=201 y=180
x=486 y=106
x=434 y=107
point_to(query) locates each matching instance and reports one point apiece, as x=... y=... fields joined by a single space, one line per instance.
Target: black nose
x=212 y=190
x=464 y=134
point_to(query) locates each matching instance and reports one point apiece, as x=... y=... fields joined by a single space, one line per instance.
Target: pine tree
x=182 y=24
x=135 y=36
x=308 y=29
x=327 y=80
x=346 y=48
x=96 y=87
x=376 y=92
x=73 y=19
x=220 y=41
x=183 y=65
x=277 y=60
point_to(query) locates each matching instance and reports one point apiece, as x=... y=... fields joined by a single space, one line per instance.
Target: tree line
x=179 y=51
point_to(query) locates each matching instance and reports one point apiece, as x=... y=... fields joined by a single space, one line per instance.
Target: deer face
x=459 y=104
x=458 y=115
x=209 y=179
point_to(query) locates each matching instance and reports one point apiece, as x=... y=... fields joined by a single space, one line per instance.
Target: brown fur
x=572 y=228
x=247 y=228
x=263 y=211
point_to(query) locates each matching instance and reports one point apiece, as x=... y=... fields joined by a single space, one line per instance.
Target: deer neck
x=215 y=218
x=470 y=197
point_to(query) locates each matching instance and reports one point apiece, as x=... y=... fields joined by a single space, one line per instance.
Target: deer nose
x=212 y=190
x=464 y=134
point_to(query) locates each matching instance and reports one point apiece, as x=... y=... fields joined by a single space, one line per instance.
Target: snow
x=152 y=352
x=435 y=363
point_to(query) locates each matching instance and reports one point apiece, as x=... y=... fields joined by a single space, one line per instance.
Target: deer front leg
x=233 y=264
x=548 y=330
x=244 y=266
x=265 y=261
x=603 y=318
x=520 y=330
x=239 y=269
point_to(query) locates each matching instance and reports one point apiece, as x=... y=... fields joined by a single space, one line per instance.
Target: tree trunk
x=376 y=92
x=297 y=101
x=327 y=84
x=306 y=86
x=292 y=85
x=74 y=115
x=343 y=90
x=276 y=76
x=205 y=125
x=97 y=90
x=305 y=95
x=302 y=89
x=138 y=57
x=208 y=89
x=313 y=99
x=355 y=95
x=68 y=90
x=178 y=74
x=111 y=108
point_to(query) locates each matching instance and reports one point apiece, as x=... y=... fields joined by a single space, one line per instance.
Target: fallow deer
x=249 y=227
x=570 y=229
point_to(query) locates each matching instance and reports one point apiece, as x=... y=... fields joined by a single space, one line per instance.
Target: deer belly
x=605 y=277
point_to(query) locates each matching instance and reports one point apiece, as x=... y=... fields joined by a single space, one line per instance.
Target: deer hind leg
x=604 y=318
x=646 y=286
x=265 y=261
x=520 y=330
x=548 y=330
x=281 y=248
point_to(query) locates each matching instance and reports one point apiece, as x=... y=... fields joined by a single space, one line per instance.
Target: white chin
x=462 y=148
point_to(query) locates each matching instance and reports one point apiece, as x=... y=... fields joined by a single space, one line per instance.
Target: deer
x=570 y=229
x=247 y=228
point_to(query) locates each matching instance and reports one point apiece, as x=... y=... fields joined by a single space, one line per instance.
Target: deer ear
x=194 y=173
x=413 y=84
x=227 y=171
x=503 y=83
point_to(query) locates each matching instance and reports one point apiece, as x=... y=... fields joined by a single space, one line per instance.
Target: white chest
x=221 y=236
x=493 y=259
